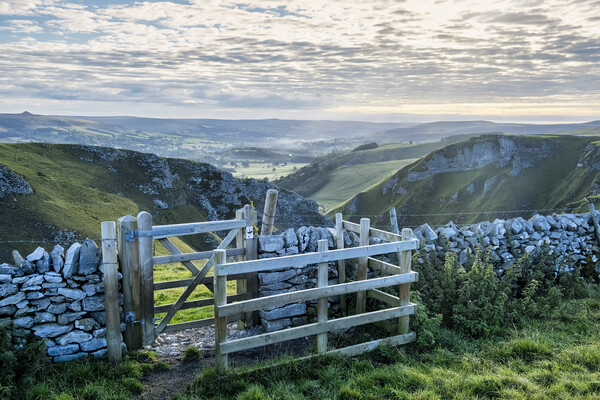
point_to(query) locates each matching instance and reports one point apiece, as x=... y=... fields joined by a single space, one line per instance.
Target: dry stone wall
x=569 y=237
x=58 y=296
x=290 y=242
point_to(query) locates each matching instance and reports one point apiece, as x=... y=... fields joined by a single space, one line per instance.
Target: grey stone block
x=74 y=337
x=271 y=243
x=51 y=330
x=63 y=350
x=94 y=303
x=44 y=317
x=57 y=255
x=23 y=322
x=57 y=308
x=93 y=344
x=8 y=289
x=267 y=278
x=291 y=310
x=86 y=324
x=73 y=294
x=14 y=299
x=68 y=318
x=7 y=311
x=43 y=265
x=89 y=258
x=270 y=326
x=71 y=260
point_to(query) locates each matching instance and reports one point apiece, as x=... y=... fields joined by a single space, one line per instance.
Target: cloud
x=284 y=55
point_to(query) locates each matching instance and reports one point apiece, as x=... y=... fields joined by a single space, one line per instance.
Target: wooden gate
x=136 y=238
x=399 y=276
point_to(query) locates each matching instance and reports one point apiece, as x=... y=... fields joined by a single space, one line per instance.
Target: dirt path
x=170 y=349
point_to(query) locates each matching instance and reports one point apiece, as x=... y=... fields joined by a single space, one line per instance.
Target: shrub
x=20 y=358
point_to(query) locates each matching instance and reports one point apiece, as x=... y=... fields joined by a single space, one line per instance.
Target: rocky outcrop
x=498 y=150
x=12 y=183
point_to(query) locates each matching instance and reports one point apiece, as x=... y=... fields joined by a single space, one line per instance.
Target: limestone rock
x=74 y=337
x=71 y=260
x=8 y=290
x=12 y=300
x=51 y=330
x=63 y=350
x=68 y=318
x=43 y=265
x=291 y=310
x=22 y=263
x=89 y=258
x=74 y=294
x=57 y=258
x=93 y=344
x=36 y=255
x=271 y=243
x=270 y=326
x=94 y=303
x=267 y=278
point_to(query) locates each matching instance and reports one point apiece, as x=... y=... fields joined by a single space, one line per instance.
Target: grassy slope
x=327 y=179
x=73 y=193
x=554 y=181
x=348 y=181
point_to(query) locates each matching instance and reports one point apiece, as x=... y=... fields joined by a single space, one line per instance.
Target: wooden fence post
x=394 y=225
x=147 y=279
x=404 y=290
x=269 y=212
x=361 y=297
x=130 y=267
x=240 y=284
x=339 y=231
x=251 y=254
x=220 y=284
x=111 y=291
x=322 y=281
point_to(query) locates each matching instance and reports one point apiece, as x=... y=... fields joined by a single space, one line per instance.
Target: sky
x=377 y=60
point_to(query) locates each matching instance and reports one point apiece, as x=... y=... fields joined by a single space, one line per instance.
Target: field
x=176 y=271
x=262 y=170
x=347 y=181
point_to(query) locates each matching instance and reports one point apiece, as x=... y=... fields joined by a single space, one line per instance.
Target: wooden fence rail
x=401 y=276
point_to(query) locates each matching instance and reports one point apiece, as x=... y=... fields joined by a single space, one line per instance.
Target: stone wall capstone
x=58 y=297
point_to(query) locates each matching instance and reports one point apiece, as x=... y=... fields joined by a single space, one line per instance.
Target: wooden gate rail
x=399 y=278
x=137 y=262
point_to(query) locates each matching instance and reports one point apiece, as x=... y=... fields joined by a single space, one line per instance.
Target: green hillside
x=336 y=177
x=70 y=190
x=485 y=178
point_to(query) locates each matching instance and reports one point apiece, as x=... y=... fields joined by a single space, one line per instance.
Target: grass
x=262 y=170
x=176 y=271
x=348 y=181
x=554 y=181
x=547 y=359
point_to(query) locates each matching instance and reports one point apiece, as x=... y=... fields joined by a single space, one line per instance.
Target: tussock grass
x=543 y=360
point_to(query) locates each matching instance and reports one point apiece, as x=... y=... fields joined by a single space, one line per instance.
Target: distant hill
x=59 y=193
x=485 y=178
x=197 y=139
x=437 y=130
x=334 y=178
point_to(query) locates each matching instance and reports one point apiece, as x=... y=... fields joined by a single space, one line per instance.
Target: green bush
x=20 y=358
